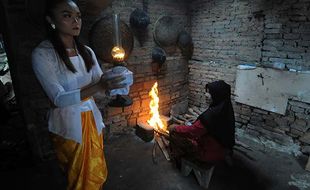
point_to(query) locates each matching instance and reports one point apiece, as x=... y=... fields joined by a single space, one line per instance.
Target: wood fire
x=155 y=121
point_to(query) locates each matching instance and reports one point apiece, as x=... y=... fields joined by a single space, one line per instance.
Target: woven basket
x=166 y=31
x=101 y=38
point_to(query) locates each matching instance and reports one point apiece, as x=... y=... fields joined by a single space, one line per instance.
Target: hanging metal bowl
x=139 y=19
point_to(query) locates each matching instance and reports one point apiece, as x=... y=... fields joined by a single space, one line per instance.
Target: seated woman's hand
x=112 y=83
x=171 y=128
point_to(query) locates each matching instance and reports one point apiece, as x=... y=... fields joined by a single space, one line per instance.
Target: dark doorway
x=14 y=146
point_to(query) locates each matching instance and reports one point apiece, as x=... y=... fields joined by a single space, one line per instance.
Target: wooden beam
x=162 y=146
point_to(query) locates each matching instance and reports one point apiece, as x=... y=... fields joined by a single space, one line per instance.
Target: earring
x=53 y=26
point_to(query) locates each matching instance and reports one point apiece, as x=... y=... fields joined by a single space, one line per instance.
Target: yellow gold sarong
x=84 y=163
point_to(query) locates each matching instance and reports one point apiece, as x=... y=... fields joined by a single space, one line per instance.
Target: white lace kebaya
x=63 y=89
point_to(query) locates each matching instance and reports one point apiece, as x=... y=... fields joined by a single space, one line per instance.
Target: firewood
x=165 y=141
x=162 y=147
x=182 y=118
x=191 y=111
x=197 y=110
x=177 y=120
x=154 y=153
x=188 y=116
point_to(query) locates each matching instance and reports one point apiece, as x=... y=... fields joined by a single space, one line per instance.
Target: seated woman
x=213 y=134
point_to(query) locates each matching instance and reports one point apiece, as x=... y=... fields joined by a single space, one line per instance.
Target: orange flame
x=118 y=53
x=155 y=120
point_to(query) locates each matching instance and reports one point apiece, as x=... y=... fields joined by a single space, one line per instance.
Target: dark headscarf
x=219 y=118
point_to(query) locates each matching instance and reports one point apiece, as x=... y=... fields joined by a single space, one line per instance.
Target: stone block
x=304 y=43
x=305 y=138
x=299 y=127
x=300 y=122
x=273 y=42
x=274 y=26
x=297 y=109
x=245 y=111
x=305 y=36
x=292 y=36
x=245 y=118
x=269 y=48
x=297 y=132
x=288 y=48
x=302 y=116
x=299 y=104
x=260 y=111
x=112 y=111
x=294 y=55
x=305 y=149
x=274 y=54
x=298 y=18
x=283 y=60
x=281 y=121
x=253 y=133
x=272 y=31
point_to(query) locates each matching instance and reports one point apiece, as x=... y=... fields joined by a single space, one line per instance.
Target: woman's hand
x=171 y=128
x=112 y=83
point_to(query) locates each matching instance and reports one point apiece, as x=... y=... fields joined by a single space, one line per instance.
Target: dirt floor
x=131 y=167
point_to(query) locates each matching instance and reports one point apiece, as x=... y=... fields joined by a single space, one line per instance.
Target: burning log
x=162 y=132
x=166 y=120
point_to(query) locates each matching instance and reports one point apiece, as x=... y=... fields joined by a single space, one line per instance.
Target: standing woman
x=70 y=74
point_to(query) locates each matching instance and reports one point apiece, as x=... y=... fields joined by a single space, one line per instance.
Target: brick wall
x=231 y=32
x=172 y=78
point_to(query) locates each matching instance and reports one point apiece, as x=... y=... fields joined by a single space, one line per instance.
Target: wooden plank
x=177 y=120
x=162 y=147
x=192 y=111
